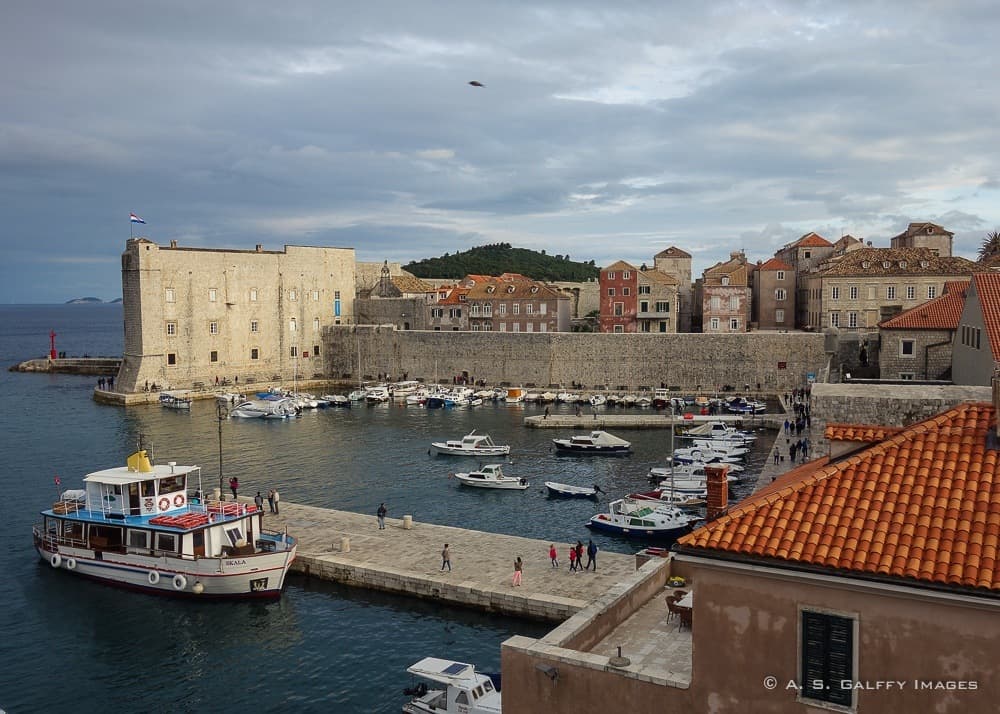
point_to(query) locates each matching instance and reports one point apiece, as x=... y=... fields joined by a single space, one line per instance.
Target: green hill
x=502 y=258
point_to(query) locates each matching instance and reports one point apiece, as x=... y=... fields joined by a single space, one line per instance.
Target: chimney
x=869 y=244
x=173 y=244
x=260 y=247
x=718 y=491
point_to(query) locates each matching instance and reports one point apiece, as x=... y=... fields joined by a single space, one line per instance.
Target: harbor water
x=78 y=646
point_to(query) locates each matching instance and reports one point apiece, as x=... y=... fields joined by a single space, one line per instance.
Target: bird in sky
x=474 y=83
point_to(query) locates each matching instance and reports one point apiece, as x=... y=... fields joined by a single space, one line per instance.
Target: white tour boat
x=642 y=519
x=136 y=526
x=472 y=444
x=466 y=690
x=596 y=442
x=175 y=400
x=491 y=476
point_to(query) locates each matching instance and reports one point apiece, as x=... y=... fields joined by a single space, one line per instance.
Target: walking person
x=276 y=499
x=572 y=558
x=234 y=485
x=259 y=501
x=380 y=513
x=270 y=500
x=446 y=558
x=776 y=455
x=518 y=567
x=554 y=556
x=591 y=555
x=579 y=555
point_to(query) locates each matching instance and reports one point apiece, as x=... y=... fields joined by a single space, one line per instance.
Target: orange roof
x=988 y=292
x=813 y=240
x=775 y=264
x=922 y=507
x=859 y=432
x=941 y=313
x=620 y=265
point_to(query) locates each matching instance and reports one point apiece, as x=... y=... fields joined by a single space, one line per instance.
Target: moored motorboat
x=466 y=690
x=596 y=442
x=569 y=491
x=472 y=444
x=642 y=519
x=491 y=476
x=598 y=400
x=337 y=400
x=692 y=454
x=514 y=395
x=670 y=497
x=136 y=526
x=174 y=400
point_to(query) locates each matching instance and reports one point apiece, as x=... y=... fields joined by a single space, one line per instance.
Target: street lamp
x=222 y=414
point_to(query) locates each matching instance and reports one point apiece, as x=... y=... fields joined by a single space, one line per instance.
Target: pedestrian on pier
x=591 y=555
x=554 y=556
x=446 y=558
x=787 y=424
x=572 y=558
x=276 y=499
x=234 y=484
x=259 y=501
x=111 y=383
x=518 y=567
x=546 y=413
x=100 y=383
x=579 y=555
x=380 y=513
x=270 y=500
x=775 y=455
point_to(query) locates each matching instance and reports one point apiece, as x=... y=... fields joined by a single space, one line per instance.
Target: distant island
x=90 y=301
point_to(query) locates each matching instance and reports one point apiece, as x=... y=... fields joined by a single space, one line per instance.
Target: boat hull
x=586 y=449
x=483 y=452
x=597 y=523
x=562 y=490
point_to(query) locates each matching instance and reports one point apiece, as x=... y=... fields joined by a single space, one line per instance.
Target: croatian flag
x=135 y=219
x=58 y=481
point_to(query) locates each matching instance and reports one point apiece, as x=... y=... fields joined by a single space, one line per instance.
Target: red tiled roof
x=672 y=252
x=922 y=506
x=922 y=228
x=620 y=265
x=901 y=261
x=941 y=313
x=988 y=292
x=813 y=240
x=859 y=432
x=775 y=264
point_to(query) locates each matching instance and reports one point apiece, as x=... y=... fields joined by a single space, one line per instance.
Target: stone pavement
x=408 y=561
x=818 y=447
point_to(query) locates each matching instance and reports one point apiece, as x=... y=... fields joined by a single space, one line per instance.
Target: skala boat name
x=234 y=562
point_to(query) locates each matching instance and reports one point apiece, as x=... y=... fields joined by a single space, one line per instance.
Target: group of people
x=106 y=383
x=576 y=556
x=272 y=495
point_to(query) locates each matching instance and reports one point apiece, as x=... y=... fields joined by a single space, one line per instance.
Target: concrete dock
x=408 y=561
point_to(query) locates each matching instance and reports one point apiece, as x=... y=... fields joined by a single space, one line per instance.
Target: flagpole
x=131 y=228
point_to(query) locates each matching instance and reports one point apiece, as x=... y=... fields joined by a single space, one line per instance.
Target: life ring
x=164 y=503
x=56 y=560
x=179 y=499
x=153 y=577
x=148 y=504
x=71 y=563
x=180 y=582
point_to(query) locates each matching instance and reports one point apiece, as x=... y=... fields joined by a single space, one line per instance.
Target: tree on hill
x=500 y=258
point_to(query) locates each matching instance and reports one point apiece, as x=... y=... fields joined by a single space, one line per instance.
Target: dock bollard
x=407 y=522
x=345 y=545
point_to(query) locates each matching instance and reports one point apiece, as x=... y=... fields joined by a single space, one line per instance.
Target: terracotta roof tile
x=860 y=432
x=812 y=240
x=901 y=261
x=923 y=506
x=941 y=313
x=620 y=265
x=775 y=264
x=672 y=252
x=988 y=292
x=921 y=228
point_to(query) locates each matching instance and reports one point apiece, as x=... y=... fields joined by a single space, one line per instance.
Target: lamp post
x=222 y=413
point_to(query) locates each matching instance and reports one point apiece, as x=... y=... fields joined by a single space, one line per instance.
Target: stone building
x=401 y=300
x=193 y=315
x=803 y=255
x=976 y=354
x=514 y=303
x=677 y=263
x=725 y=302
x=774 y=296
x=917 y=343
x=925 y=235
x=658 y=302
x=619 y=303
x=450 y=312
x=867 y=286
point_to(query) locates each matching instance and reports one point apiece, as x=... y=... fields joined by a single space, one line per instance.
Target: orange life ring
x=164 y=503
x=179 y=499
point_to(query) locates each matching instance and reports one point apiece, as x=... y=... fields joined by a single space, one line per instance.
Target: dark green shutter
x=827 y=657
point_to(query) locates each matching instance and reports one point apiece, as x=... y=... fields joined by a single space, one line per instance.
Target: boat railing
x=51 y=539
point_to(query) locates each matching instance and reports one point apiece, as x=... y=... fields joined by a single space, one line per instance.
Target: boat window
x=138 y=539
x=462 y=698
x=477 y=692
x=167 y=542
x=488 y=685
x=73 y=530
x=235 y=535
x=149 y=488
x=171 y=484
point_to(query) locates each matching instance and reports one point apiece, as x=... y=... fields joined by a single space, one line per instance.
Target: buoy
x=71 y=563
x=55 y=560
x=153 y=577
x=197 y=588
x=180 y=582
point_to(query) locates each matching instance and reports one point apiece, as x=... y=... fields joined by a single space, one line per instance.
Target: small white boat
x=491 y=476
x=739 y=405
x=692 y=454
x=565 y=397
x=358 y=395
x=570 y=491
x=514 y=395
x=629 y=400
x=229 y=398
x=377 y=395
x=137 y=527
x=643 y=402
x=173 y=400
x=547 y=397
x=337 y=400
x=472 y=444
x=596 y=442
x=598 y=400
x=279 y=408
x=466 y=690
x=642 y=519
x=669 y=497
x=729 y=448
x=717 y=430
x=533 y=397
x=695 y=469
x=402 y=389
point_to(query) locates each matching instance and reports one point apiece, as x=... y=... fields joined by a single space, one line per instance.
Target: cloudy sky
x=604 y=131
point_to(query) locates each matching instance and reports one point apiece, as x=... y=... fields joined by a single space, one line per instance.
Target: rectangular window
x=611 y=275
x=911 y=292
x=780 y=275
x=213 y=295
x=827 y=658
x=734 y=324
x=316 y=324
x=336 y=295
x=835 y=293
x=663 y=306
x=315 y=295
x=516 y=308
x=663 y=326
x=834 y=319
x=890 y=292
x=872 y=292
x=171 y=358
x=168 y=295
x=502 y=308
x=644 y=290
x=171 y=328
x=780 y=295
x=907 y=348
x=853 y=292
x=254 y=353
x=528 y=308
x=716 y=303
x=779 y=316
x=626 y=291
x=931 y=292
x=852 y=319
x=619 y=309
x=166 y=542
x=138 y=539
x=292 y=295
x=213 y=328
x=292 y=325
x=619 y=329
x=254 y=326
x=643 y=306
x=626 y=274
x=714 y=323
x=253 y=294
x=734 y=302
x=516 y=327
x=611 y=292
x=213 y=356
x=293 y=351
x=316 y=349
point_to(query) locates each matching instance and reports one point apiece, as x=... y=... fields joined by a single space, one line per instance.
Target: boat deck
x=408 y=561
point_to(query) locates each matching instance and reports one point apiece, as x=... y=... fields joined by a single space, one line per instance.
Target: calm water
x=73 y=645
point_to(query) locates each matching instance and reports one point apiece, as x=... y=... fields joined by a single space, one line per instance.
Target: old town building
x=925 y=235
x=976 y=354
x=917 y=343
x=803 y=255
x=619 y=299
x=514 y=303
x=725 y=300
x=774 y=295
x=677 y=263
x=658 y=302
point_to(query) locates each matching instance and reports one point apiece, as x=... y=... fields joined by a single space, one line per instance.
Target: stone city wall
x=888 y=404
x=777 y=362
